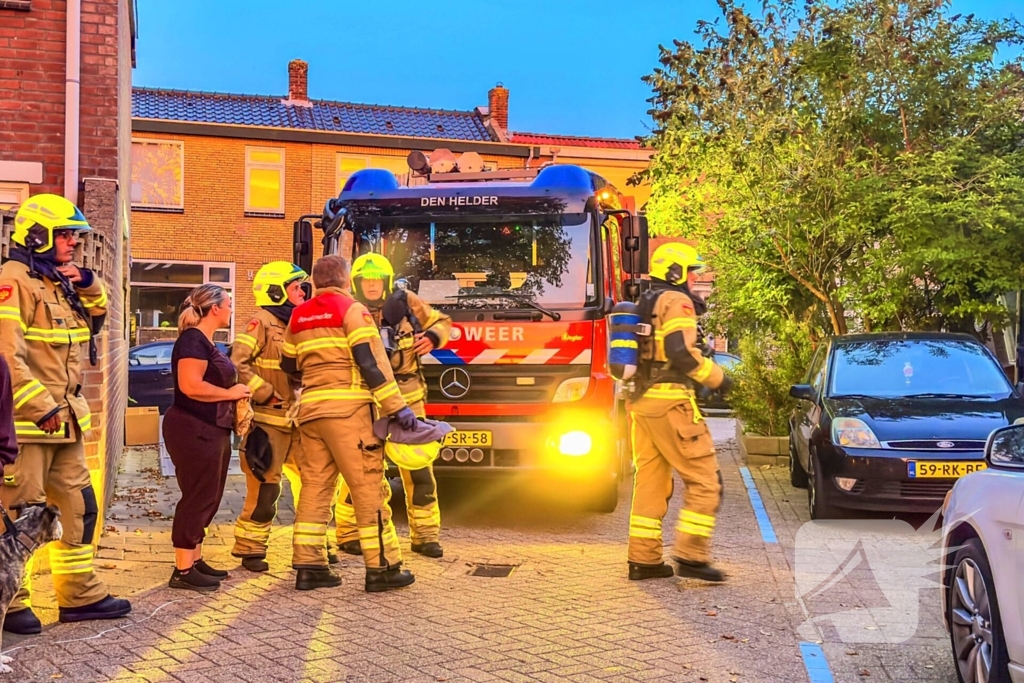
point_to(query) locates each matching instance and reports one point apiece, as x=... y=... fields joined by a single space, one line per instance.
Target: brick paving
x=566 y=613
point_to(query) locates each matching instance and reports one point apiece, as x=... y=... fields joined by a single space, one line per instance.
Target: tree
x=861 y=162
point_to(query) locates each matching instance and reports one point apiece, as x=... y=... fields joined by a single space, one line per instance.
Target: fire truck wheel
x=605 y=497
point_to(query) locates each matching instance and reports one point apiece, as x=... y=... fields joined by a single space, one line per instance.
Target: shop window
x=159 y=287
x=264 y=181
x=158 y=178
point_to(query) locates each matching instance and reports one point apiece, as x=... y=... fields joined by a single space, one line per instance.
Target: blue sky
x=572 y=66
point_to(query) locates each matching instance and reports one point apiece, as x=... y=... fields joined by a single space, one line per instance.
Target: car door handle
x=164 y=373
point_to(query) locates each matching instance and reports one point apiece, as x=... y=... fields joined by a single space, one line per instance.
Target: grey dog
x=35 y=526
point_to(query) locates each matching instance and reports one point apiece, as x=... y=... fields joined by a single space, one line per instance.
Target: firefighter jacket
x=257 y=355
x=670 y=356
x=333 y=342
x=41 y=338
x=405 y=362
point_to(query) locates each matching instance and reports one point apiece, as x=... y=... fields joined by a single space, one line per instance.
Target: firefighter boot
x=641 y=572
x=430 y=549
x=321 y=577
x=24 y=622
x=255 y=564
x=351 y=548
x=379 y=580
x=107 y=608
x=698 y=570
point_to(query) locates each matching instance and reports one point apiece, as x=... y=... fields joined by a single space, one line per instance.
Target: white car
x=983 y=581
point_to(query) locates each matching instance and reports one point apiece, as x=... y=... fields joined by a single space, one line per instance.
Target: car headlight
x=849 y=432
x=572 y=390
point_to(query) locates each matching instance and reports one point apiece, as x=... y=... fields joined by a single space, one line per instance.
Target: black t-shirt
x=220 y=372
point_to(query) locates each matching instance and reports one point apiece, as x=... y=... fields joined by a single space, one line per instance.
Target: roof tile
x=573 y=141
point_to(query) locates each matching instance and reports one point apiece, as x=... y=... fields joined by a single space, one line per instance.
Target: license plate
x=941 y=470
x=480 y=439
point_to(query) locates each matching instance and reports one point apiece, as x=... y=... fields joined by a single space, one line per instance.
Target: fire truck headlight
x=572 y=390
x=575 y=443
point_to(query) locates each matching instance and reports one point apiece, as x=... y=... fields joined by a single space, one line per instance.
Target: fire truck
x=528 y=263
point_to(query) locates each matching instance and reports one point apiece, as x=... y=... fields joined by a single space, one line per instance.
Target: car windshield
x=490 y=262
x=926 y=368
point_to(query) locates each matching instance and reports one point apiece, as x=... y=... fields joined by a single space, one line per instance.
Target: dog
x=36 y=525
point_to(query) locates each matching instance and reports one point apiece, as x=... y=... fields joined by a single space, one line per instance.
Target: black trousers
x=201 y=453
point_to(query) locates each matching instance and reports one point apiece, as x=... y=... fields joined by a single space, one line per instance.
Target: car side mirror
x=1005 y=447
x=1020 y=388
x=803 y=392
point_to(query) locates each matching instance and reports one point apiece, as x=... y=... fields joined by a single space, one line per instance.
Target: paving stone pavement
x=566 y=613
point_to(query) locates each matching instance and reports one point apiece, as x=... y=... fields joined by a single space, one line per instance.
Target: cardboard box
x=142 y=426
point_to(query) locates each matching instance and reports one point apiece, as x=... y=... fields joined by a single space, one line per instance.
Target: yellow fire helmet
x=372 y=267
x=271 y=280
x=671 y=262
x=40 y=215
x=412 y=456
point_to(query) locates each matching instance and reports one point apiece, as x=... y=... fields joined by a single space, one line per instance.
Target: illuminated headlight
x=572 y=390
x=845 y=483
x=849 y=432
x=574 y=443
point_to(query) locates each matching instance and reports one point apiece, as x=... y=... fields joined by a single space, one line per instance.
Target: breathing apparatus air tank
x=625 y=328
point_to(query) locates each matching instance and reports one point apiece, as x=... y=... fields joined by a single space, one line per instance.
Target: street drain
x=497 y=571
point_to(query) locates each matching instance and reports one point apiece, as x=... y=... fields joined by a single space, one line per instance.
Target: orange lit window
x=264 y=180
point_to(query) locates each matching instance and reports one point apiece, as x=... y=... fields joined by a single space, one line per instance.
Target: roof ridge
x=572 y=137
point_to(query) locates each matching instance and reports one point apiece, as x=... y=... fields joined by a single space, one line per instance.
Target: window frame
x=181 y=182
x=264 y=166
x=231 y=286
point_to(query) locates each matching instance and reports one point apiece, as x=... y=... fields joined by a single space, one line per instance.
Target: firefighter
x=334 y=344
x=668 y=431
x=49 y=308
x=416 y=329
x=270 y=448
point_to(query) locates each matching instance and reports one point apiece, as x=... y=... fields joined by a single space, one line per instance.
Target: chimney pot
x=497 y=106
x=298 y=73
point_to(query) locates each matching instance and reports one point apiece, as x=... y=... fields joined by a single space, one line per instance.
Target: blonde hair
x=198 y=303
x=331 y=271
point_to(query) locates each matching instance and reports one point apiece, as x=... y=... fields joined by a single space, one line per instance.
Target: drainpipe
x=72 y=99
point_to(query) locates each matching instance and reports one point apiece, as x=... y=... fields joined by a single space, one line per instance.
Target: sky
x=572 y=67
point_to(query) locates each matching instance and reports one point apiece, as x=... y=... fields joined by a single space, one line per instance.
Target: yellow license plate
x=941 y=470
x=469 y=439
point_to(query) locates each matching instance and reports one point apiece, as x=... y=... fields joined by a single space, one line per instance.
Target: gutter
x=72 y=99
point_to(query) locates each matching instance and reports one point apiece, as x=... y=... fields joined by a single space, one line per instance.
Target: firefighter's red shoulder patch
x=6 y=292
x=253 y=324
x=367 y=318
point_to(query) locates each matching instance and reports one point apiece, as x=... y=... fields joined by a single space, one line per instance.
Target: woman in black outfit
x=197 y=431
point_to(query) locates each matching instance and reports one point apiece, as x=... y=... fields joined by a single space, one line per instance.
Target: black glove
x=726 y=386
x=406 y=418
x=258 y=453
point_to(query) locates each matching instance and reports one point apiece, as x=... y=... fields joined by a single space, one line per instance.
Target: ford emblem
x=945 y=444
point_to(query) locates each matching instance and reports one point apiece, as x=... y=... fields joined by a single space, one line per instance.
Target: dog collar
x=26 y=541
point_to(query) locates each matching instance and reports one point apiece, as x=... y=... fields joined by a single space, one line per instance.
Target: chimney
x=497 y=107
x=298 y=73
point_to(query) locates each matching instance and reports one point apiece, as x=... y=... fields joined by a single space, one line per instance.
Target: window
x=264 y=181
x=151 y=354
x=159 y=287
x=350 y=163
x=158 y=178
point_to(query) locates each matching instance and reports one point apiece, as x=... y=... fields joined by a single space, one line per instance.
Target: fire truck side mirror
x=643 y=237
x=302 y=245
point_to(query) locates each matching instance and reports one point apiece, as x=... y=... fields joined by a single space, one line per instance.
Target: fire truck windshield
x=489 y=262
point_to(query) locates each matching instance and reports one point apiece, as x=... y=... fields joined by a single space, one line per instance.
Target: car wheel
x=797 y=475
x=976 y=632
x=818 y=503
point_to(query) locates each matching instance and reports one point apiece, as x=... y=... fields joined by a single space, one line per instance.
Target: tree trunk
x=837 y=315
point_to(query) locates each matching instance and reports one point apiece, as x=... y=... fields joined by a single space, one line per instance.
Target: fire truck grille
x=498 y=383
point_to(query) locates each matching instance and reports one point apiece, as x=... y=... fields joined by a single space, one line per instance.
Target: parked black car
x=890 y=421
x=711 y=401
x=149 y=374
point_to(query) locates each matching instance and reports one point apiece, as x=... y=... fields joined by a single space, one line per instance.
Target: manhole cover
x=499 y=571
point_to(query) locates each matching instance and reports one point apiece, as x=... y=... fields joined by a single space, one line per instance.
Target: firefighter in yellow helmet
x=410 y=329
x=668 y=432
x=49 y=309
x=269 y=449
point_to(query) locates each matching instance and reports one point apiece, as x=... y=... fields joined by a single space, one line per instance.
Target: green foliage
x=772 y=363
x=855 y=161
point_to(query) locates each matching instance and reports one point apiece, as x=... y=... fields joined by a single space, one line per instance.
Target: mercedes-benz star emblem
x=454 y=382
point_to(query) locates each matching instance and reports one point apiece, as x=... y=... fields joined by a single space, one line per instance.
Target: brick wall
x=213 y=226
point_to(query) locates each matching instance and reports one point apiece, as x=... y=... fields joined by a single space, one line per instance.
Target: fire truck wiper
x=554 y=315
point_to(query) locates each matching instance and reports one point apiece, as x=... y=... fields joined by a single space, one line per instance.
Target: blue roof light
x=564 y=177
x=371 y=180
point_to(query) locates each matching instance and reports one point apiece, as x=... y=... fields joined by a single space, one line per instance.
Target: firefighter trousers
x=252 y=529
x=676 y=441
x=57 y=473
x=345 y=446
x=420 y=488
